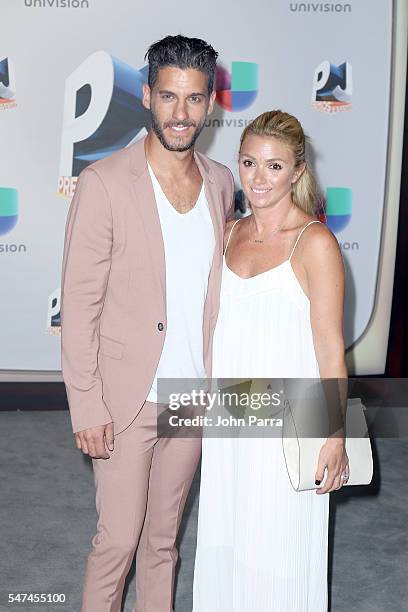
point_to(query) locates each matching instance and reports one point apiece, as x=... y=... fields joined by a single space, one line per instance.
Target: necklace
x=272 y=232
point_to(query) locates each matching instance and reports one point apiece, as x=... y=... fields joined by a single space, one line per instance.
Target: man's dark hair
x=182 y=52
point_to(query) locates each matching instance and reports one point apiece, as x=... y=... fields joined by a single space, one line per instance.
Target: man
x=140 y=297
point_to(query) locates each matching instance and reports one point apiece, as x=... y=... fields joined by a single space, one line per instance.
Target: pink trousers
x=141 y=491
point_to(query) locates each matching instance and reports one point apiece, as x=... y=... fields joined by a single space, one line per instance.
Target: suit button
x=160 y=326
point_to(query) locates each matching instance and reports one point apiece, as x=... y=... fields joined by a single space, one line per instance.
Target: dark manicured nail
x=317 y=482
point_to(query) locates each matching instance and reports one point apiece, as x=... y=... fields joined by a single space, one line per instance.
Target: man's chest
x=182 y=196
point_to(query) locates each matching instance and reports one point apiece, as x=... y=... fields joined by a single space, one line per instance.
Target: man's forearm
x=85 y=274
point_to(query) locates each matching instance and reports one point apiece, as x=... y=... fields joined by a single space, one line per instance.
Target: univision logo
x=320 y=7
x=8 y=209
x=56 y=3
x=237 y=90
x=338 y=207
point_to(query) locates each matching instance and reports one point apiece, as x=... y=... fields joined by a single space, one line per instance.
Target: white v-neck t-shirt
x=189 y=244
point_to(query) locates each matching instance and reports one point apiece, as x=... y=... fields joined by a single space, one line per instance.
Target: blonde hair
x=288 y=129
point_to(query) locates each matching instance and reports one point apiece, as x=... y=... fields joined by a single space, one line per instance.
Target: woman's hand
x=332 y=456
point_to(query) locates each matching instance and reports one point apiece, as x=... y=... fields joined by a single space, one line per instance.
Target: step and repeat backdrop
x=71 y=77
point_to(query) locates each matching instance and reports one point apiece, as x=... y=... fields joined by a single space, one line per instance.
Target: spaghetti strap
x=300 y=233
x=229 y=236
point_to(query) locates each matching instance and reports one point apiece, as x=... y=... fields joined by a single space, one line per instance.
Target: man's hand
x=96 y=440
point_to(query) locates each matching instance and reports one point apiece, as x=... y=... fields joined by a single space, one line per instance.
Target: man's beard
x=159 y=131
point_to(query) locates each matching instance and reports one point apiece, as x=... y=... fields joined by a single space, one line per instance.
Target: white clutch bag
x=302 y=453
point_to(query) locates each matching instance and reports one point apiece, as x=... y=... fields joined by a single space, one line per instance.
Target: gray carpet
x=48 y=517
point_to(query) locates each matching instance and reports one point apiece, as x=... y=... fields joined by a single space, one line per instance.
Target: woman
x=262 y=546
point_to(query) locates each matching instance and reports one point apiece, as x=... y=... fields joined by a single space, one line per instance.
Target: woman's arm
x=325 y=277
x=325 y=280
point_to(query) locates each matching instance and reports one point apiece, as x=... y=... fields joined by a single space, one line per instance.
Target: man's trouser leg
x=173 y=466
x=122 y=491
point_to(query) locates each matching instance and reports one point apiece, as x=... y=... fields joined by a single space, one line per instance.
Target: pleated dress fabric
x=261 y=546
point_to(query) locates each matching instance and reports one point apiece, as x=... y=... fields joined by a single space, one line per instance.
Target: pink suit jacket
x=113 y=292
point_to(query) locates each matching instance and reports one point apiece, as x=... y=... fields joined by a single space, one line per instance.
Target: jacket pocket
x=112 y=348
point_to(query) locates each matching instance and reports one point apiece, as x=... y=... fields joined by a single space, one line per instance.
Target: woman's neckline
x=286 y=261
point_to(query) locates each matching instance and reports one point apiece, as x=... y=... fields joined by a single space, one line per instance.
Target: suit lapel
x=144 y=195
x=213 y=198
x=214 y=281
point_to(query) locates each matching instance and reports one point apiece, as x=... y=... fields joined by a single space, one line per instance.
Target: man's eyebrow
x=167 y=91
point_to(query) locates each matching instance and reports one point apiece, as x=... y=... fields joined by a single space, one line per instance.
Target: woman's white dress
x=261 y=546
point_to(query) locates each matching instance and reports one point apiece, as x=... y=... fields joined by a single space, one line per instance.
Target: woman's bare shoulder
x=228 y=228
x=319 y=243
x=320 y=235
